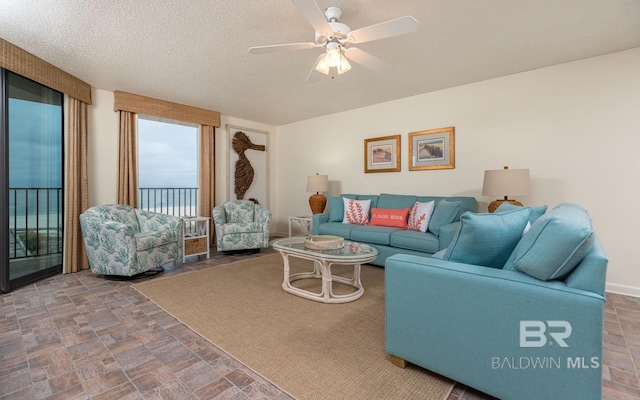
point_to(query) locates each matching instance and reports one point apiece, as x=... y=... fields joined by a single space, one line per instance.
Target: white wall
x=576 y=126
x=102 y=149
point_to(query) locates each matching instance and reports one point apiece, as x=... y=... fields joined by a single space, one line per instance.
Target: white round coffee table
x=352 y=253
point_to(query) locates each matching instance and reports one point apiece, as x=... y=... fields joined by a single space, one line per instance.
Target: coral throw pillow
x=356 y=211
x=396 y=218
x=420 y=216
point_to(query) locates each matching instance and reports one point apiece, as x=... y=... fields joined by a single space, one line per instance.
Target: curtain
x=128 y=160
x=207 y=171
x=76 y=186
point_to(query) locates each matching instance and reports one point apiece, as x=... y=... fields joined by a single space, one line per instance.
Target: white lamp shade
x=506 y=182
x=318 y=183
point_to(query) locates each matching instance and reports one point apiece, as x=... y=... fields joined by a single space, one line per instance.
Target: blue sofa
x=387 y=240
x=530 y=328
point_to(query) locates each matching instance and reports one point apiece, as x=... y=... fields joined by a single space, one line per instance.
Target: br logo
x=541 y=333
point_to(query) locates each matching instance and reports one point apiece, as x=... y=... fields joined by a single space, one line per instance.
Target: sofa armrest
x=447 y=232
x=317 y=220
x=502 y=332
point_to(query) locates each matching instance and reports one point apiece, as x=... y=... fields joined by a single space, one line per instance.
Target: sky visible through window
x=35 y=145
x=167 y=155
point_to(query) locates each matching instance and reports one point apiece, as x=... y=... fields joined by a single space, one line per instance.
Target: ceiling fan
x=336 y=38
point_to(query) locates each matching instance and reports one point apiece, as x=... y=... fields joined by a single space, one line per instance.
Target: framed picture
x=382 y=154
x=432 y=149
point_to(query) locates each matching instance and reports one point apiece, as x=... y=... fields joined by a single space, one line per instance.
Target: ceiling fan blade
x=394 y=27
x=274 y=48
x=313 y=14
x=368 y=61
x=314 y=75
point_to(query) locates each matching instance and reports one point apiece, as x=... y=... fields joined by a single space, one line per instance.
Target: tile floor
x=79 y=336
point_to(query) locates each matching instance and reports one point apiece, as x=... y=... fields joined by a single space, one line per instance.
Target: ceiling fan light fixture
x=344 y=65
x=322 y=66
x=333 y=57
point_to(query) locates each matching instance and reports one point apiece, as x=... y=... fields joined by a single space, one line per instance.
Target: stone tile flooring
x=79 y=336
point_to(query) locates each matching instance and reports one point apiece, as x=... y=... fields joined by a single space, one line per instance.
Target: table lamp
x=317 y=183
x=505 y=182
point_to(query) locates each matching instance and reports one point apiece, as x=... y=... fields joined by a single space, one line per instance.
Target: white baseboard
x=623 y=289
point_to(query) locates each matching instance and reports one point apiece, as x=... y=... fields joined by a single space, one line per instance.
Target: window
x=167 y=166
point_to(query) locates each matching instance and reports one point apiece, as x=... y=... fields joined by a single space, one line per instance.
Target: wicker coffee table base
x=322 y=270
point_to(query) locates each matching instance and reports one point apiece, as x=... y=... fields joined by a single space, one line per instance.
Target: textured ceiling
x=195 y=51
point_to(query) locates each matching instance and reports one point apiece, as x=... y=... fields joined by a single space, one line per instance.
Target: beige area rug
x=309 y=350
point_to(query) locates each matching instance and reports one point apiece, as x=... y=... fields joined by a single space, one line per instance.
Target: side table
x=304 y=220
x=195 y=237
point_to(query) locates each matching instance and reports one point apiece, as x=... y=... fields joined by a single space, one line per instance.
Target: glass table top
x=351 y=250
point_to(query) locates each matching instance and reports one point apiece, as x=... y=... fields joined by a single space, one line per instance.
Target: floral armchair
x=241 y=225
x=125 y=241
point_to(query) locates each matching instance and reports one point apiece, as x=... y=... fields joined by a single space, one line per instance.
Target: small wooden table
x=352 y=253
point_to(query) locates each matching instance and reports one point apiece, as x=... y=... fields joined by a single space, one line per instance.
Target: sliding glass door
x=32 y=152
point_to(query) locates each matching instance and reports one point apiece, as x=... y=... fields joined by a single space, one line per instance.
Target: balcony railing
x=36 y=216
x=35 y=222
x=173 y=201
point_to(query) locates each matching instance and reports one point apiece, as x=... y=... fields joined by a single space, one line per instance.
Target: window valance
x=164 y=109
x=26 y=64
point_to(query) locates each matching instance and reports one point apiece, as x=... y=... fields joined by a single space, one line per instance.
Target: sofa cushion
x=487 y=239
x=356 y=211
x=336 y=208
x=372 y=234
x=239 y=211
x=122 y=213
x=336 y=229
x=444 y=213
x=414 y=240
x=420 y=215
x=555 y=244
x=373 y=197
x=396 y=218
x=466 y=203
x=386 y=200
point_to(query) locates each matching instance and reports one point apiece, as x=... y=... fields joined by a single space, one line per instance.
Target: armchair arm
x=107 y=240
x=262 y=216
x=219 y=216
x=219 y=219
x=466 y=322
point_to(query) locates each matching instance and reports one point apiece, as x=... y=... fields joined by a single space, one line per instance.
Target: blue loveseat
x=529 y=327
x=388 y=240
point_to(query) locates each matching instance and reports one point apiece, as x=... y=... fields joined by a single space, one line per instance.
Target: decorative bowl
x=323 y=242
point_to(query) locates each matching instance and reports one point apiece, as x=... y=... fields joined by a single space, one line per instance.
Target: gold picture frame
x=382 y=154
x=432 y=149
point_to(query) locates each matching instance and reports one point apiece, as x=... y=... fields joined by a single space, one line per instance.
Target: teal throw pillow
x=536 y=212
x=336 y=208
x=444 y=213
x=487 y=239
x=555 y=244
